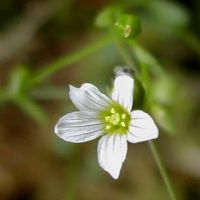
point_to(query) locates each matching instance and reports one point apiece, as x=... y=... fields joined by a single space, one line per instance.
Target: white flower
x=112 y=119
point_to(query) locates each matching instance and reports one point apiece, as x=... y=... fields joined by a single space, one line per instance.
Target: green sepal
x=106 y=16
x=139 y=95
x=103 y=18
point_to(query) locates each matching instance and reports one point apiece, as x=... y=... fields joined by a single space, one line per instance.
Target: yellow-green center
x=116 y=119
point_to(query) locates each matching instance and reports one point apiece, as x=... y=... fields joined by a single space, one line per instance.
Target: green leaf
x=18 y=79
x=31 y=108
x=146 y=58
x=127 y=26
x=103 y=18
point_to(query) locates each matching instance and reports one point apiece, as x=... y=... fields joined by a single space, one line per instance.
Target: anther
x=123 y=124
x=123 y=116
x=115 y=119
x=112 y=110
x=107 y=118
x=108 y=127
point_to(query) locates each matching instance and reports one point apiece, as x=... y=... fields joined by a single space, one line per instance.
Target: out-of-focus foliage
x=45 y=46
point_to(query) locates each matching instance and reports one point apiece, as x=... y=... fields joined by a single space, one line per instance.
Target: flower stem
x=66 y=60
x=132 y=63
x=123 y=50
x=163 y=172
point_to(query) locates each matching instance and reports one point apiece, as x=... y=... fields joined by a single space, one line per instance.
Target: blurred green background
x=47 y=45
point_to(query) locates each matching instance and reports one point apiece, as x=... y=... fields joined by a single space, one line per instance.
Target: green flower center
x=116 y=119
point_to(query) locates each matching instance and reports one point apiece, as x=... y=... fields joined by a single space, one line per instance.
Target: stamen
x=112 y=110
x=108 y=127
x=123 y=124
x=107 y=118
x=115 y=119
x=123 y=116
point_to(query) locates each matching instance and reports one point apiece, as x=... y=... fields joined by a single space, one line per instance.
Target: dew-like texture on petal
x=79 y=127
x=88 y=98
x=112 y=150
x=123 y=91
x=142 y=127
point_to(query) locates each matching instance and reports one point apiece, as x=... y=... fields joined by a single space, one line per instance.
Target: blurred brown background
x=34 y=163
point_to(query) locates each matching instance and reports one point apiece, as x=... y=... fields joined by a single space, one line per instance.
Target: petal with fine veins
x=123 y=91
x=142 y=127
x=112 y=150
x=79 y=127
x=88 y=98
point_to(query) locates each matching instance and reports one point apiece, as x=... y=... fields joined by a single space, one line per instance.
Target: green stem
x=67 y=60
x=123 y=50
x=127 y=58
x=125 y=55
x=162 y=170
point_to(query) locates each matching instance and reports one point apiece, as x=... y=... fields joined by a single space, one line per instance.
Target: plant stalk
x=163 y=172
x=67 y=60
x=129 y=61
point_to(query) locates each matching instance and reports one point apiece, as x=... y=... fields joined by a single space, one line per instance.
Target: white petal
x=79 y=127
x=112 y=150
x=123 y=91
x=88 y=98
x=142 y=127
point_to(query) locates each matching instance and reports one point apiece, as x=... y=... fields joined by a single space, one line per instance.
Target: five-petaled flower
x=110 y=118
